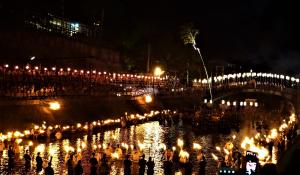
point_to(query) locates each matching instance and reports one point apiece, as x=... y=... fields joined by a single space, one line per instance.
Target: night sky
x=259 y=33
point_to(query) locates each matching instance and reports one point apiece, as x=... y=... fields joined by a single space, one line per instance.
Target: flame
x=40 y=148
x=51 y=151
x=83 y=145
x=214 y=156
x=292 y=118
x=273 y=134
x=94 y=146
x=226 y=151
x=184 y=154
x=257 y=136
x=18 y=141
x=180 y=143
x=248 y=144
x=196 y=146
x=174 y=148
x=115 y=155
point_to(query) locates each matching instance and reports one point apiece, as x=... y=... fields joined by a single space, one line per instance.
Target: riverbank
x=22 y=114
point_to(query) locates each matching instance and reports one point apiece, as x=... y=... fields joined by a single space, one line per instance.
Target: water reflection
x=148 y=135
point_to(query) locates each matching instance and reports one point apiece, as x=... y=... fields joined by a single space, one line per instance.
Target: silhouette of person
x=27 y=159
x=142 y=165
x=104 y=168
x=150 y=166
x=188 y=167
x=11 y=158
x=93 y=162
x=70 y=165
x=168 y=165
x=78 y=168
x=49 y=170
x=39 y=162
x=202 y=165
x=127 y=165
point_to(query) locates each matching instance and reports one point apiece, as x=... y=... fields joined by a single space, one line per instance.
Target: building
x=59 y=25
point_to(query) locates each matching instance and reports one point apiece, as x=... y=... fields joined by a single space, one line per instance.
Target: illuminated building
x=58 y=25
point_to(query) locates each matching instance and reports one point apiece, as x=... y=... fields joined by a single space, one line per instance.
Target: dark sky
x=262 y=33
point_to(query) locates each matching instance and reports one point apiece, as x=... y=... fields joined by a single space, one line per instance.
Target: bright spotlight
x=148 y=99
x=158 y=71
x=54 y=105
x=32 y=58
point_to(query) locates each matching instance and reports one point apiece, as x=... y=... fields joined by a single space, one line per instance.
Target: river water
x=152 y=134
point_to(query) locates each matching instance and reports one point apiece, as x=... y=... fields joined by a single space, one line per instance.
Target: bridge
x=251 y=82
x=37 y=82
x=29 y=82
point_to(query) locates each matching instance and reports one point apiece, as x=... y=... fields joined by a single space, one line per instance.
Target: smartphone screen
x=251 y=163
x=251 y=168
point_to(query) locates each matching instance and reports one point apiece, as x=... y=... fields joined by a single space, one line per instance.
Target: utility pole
x=187 y=73
x=148 y=58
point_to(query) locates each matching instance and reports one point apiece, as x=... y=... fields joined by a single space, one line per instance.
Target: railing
x=38 y=81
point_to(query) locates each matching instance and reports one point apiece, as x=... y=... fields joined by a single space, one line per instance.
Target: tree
x=188 y=35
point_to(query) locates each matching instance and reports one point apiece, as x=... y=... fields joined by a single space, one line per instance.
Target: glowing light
x=273 y=134
x=141 y=145
x=40 y=148
x=251 y=103
x=174 y=148
x=27 y=132
x=158 y=71
x=18 y=141
x=180 y=143
x=162 y=146
x=83 y=145
x=228 y=103
x=248 y=144
x=184 y=155
x=51 y=151
x=148 y=99
x=226 y=151
x=196 y=146
x=54 y=105
x=78 y=125
x=115 y=155
x=214 y=156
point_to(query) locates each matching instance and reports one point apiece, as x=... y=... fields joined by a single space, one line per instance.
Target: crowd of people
x=133 y=162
